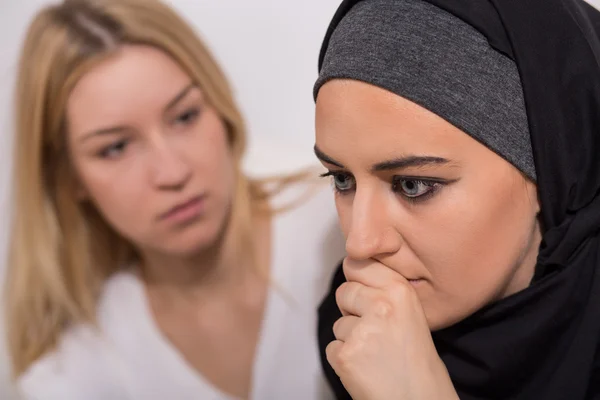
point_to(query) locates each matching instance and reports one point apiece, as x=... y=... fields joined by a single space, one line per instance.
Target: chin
x=439 y=318
x=191 y=241
x=437 y=325
x=186 y=250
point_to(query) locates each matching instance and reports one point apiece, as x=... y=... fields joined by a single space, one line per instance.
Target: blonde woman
x=144 y=263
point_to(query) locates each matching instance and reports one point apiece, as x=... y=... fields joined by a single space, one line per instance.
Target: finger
x=343 y=327
x=372 y=273
x=354 y=298
x=332 y=352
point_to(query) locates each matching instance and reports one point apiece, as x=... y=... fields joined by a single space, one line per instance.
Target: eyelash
x=188 y=117
x=433 y=185
x=119 y=146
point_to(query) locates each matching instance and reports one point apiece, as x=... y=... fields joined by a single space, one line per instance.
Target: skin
x=143 y=139
x=437 y=226
x=136 y=157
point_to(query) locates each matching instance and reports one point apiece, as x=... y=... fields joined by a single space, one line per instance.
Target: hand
x=384 y=348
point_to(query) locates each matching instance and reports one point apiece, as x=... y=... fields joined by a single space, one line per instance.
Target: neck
x=212 y=270
x=207 y=270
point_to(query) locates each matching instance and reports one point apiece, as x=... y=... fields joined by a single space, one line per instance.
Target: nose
x=372 y=232
x=169 y=168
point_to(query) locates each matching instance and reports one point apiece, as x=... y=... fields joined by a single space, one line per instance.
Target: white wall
x=268 y=48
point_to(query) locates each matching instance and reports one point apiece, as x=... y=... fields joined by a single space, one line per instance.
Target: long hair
x=62 y=251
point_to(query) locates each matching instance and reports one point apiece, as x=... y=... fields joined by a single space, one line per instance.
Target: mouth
x=416 y=282
x=185 y=211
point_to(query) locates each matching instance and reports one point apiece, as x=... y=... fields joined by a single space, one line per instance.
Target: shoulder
x=76 y=369
x=83 y=365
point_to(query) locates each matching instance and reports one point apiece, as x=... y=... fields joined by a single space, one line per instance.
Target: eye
x=188 y=117
x=114 y=150
x=342 y=181
x=414 y=188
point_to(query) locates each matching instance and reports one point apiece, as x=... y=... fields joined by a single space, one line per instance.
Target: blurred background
x=269 y=50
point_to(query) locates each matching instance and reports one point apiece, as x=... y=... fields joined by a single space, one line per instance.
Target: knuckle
x=346 y=357
x=346 y=292
x=331 y=352
x=364 y=334
x=382 y=308
x=336 y=327
x=345 y=266
x=341 y=290
x=400 y=292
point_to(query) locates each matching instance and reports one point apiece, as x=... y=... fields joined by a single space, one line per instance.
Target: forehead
x=356 y=119
x=135 y=78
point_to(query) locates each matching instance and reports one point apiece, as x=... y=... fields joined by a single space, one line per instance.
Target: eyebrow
x=397 y=163
x=116 y=129
x=180 y=96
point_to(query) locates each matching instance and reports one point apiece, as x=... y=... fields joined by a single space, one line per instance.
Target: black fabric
x=447 y=66
x=543 y=342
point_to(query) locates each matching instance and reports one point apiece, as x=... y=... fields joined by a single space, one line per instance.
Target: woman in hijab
x=462 y=140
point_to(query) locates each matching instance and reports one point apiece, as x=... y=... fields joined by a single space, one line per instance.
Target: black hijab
x=543 y=342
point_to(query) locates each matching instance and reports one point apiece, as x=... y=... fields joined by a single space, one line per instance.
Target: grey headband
x=428 y=56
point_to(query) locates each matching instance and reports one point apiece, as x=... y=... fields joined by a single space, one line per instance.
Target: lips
x=181 y=210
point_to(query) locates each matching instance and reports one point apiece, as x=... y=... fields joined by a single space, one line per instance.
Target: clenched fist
x=383 y=348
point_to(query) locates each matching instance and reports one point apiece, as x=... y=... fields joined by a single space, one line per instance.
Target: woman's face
x=150 y=152
x=427 y=200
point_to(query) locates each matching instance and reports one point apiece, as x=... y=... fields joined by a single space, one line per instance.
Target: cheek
x=343 y=205
x=471 y=245
x=120 y=195
x=213 y=160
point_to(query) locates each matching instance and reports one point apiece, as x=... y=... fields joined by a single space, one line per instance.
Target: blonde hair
x=62 y=251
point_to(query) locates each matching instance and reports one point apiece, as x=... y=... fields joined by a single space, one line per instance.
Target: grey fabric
x=428 y=56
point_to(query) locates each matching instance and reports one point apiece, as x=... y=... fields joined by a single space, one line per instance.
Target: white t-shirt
x=129 y=359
